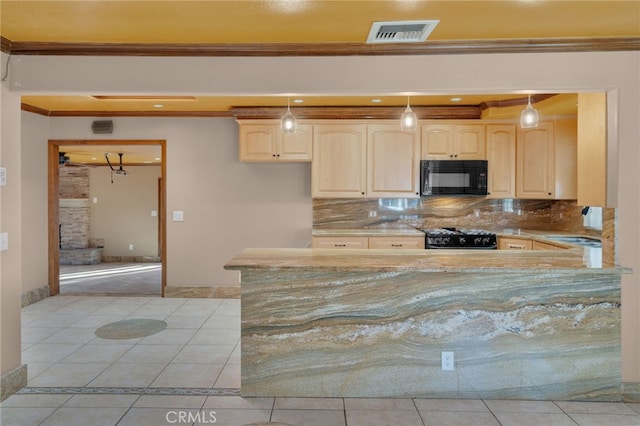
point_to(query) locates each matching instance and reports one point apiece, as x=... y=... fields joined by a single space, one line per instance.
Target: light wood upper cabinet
x=592 y=150
x=393 y=161
x=449 y=141
x=339 y=167
x=501 y=156
x=535 y=162
x=546 y=161
x=264 y=141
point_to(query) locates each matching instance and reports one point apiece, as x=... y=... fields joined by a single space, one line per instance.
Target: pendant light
x=529 y=116
x=288 y=122
x=408 y=121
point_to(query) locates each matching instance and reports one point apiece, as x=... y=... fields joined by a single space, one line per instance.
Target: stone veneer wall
x=74 y=207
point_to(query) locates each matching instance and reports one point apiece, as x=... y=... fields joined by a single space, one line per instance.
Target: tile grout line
x=86 y=390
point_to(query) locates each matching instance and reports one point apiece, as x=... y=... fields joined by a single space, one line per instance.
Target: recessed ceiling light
x=376 y=101
x=157 y=158
x=298 y=101
x=158 y=106
x=456 y=99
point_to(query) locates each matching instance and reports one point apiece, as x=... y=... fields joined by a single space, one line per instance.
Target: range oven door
x=453 y=177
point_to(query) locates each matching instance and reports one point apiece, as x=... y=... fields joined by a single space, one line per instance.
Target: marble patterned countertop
x=358 y=260
x=351 y=260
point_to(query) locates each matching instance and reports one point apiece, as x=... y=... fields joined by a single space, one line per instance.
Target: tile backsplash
x=459 y=211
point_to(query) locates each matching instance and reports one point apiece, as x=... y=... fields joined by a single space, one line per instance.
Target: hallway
x=111 y=279
x=191 y=368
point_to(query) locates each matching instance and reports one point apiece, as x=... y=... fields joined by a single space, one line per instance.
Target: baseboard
x=203 y=292
x=35 y=295
x=631 y=392
x=13 y=381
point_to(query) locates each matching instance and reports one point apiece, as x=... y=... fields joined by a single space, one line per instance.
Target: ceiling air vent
x=400 y=31
x=105 y=126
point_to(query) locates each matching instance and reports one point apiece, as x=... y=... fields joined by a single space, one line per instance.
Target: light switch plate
x=4 y=241
x=178 y=216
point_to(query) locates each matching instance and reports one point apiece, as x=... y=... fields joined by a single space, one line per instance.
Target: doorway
x=130 y=271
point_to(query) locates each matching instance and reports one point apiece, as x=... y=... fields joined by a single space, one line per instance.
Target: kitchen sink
x=579 y=241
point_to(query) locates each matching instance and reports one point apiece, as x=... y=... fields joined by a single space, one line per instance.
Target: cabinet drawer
x=396 y=243
x=341 y=243
x=514 y=244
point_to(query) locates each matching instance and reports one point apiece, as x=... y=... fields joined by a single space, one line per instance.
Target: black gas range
x=453 y=238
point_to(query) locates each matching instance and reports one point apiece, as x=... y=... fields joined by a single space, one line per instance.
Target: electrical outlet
x=130 y=246
x=447 y=361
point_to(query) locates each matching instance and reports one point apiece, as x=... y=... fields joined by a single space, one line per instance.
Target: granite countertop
x=572 y=260
x=368 y=232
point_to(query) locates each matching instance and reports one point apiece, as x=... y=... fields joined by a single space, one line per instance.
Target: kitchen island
x=374 y=323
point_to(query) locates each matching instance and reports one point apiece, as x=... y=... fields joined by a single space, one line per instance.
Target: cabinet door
x=340 y=243
x=396 y=242
x=339 y=160
x=258 y=142
x=535 y=162
x=514 y=244
x=296 y=146
x=501 y=156
x=393 y=161
x=468 y=142
x=539 y=245
x=437 y=141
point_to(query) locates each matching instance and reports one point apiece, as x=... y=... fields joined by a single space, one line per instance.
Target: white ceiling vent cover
x=400 y=31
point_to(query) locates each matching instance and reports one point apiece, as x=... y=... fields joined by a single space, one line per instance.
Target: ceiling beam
x=541 y=45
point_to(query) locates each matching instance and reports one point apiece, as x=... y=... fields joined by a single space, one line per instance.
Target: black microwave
x=453 y=177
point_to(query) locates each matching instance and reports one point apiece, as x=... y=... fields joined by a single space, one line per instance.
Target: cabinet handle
x=396 y=245
x=362 y=193
x=273 y=155
x=339 y=245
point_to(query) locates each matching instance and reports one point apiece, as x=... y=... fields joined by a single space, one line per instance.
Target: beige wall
x=10 y=222
x=34 y=201
x=227 y=205
x=122 y=214
x=230 y=187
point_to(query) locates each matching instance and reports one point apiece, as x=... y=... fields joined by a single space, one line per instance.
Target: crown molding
x=450 y=47
x=355 y=112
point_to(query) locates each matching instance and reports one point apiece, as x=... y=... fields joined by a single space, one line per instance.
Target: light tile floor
x=190 y=374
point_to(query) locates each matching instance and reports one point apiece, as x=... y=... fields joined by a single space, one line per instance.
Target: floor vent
x=400 y=31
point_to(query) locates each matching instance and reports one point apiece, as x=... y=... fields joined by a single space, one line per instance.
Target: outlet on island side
x=447 y=361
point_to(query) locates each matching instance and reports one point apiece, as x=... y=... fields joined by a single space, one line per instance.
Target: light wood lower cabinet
x=539 y=245
x=340 y=242
x=514 y=244
x=368 y=242
x=396 y=242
